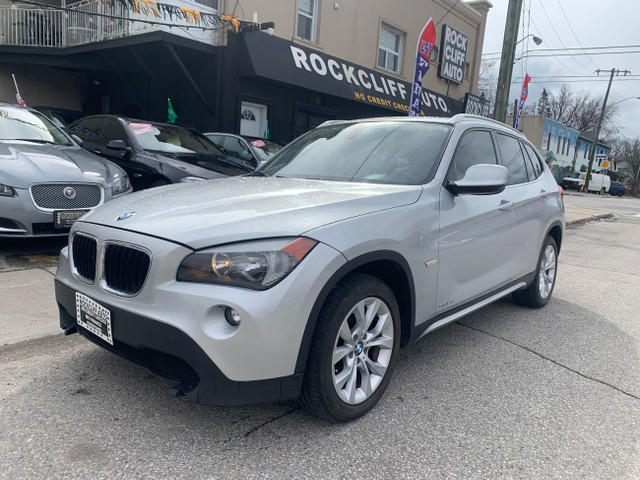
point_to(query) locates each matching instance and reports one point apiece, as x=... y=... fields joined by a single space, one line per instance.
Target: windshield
x=172 y=139
x=17 y=123
x=380 y=152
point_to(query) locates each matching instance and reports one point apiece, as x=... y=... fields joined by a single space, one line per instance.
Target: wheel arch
x=555 y=231
x=387 y=265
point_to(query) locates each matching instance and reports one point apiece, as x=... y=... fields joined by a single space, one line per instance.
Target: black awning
x=283 y=61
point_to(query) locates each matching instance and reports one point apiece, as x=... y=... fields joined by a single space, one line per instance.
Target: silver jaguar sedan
x=305 y=278
x=46 y=180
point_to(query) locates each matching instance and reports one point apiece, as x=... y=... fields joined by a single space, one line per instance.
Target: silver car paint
x=266 y=343
x=24 y=164
x=430 y=228
x=214 y=212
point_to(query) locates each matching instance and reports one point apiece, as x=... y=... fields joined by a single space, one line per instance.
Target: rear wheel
x=602 y=191
x=354 y=349
x=539 y=292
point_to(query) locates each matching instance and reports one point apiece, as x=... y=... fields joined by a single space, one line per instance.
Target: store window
x=390 y=48
x=307 y=19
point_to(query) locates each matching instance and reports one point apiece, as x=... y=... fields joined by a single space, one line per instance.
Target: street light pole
x=506 y=60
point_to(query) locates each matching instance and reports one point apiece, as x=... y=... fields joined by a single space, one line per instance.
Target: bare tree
x=580 y=111
x=488 y=80
x=629 y=161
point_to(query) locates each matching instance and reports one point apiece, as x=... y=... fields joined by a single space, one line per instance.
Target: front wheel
x=354 y=349
x=539 y=292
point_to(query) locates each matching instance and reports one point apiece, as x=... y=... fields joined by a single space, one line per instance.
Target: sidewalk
x=29 y=309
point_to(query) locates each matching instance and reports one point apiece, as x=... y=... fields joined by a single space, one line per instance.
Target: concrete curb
x=571 y=223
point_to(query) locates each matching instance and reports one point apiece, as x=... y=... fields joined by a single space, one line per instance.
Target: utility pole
x=592 y=155
x=506 y=60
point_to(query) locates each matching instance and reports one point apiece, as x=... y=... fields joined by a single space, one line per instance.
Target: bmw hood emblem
x=126 y=215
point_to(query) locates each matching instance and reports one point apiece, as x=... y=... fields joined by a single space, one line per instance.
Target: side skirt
x=452 y=315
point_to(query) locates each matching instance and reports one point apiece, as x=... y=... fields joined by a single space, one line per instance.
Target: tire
x=602 y=191
x=539 y=292
x=350 y=364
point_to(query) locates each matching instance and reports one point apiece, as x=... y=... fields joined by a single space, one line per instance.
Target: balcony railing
x=86 y=22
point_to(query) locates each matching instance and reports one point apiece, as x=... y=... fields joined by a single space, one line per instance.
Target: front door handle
x=505 y=205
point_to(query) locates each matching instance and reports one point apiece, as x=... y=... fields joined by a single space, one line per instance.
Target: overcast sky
x=575 y=23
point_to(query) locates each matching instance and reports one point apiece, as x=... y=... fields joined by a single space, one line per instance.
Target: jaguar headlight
x=121 y=185
x=6 y=191
x=258 y=265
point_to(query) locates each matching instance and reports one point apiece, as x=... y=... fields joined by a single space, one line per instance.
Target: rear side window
x=90 y=130
x=475 y=148
x=511 y=157
x=536 y=165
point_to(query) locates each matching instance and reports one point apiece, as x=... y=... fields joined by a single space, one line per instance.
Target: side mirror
x=481 y=180
x=118 y=145
x=76 y=139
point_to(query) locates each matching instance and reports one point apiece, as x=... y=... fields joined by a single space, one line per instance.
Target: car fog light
x=232 y=317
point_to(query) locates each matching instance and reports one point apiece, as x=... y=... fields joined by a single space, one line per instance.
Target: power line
x=574 y=33
x=576 y=54
x=565 y=49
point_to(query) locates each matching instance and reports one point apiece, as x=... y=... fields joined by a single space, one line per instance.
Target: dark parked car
x=154 y=153
x=250 y=150
x=617 y=189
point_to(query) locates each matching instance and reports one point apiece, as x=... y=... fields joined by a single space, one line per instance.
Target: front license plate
x=94 y=317
x=66 y=218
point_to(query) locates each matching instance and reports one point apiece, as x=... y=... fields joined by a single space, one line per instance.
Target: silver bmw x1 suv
x=306 y=277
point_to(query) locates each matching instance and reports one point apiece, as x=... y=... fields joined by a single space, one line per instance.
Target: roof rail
x=460 y=117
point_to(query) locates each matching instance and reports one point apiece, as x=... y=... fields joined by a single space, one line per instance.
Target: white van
x=598 y=183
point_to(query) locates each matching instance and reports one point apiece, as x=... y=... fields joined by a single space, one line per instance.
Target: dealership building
x=292 y=66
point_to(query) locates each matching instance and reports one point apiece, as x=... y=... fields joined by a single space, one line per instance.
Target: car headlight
x=258 y=265
x=121 y=185
x=6 y=191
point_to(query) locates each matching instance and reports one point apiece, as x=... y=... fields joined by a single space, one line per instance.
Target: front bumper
x=168 y=352
x=173 y=325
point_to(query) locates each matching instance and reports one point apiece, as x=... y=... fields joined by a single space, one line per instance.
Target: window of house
x=390 y=48
x=558 y=145
x=307 y=19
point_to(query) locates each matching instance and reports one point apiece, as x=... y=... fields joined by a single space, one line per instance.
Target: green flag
x=171 y=113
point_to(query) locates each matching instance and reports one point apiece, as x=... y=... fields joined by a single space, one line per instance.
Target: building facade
x=567 y=151
x=321 y=60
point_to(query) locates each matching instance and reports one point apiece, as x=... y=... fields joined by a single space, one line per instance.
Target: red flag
x=525 y=87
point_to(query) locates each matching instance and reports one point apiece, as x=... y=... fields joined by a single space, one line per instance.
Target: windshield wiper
x=38 y=140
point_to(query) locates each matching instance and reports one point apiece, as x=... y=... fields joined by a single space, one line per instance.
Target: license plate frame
x=94 y=317
x=66 y=218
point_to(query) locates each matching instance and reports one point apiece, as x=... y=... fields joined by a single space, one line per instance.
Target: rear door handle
x=505 y=205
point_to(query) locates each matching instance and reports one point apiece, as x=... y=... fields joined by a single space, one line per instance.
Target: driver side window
x=475 y=148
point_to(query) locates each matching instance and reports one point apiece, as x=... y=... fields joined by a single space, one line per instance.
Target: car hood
x=212 y=212
x=23 y=163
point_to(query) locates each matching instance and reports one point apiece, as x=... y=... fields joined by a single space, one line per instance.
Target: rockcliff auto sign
x=453 y=55
x=283 y=61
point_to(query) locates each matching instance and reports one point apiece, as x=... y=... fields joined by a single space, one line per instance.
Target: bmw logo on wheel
x=126 y=215
x=69 y=192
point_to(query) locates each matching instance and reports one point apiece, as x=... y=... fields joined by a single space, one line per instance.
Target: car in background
x=305 y=278
x=46 y=180
x=251 y=151
x=598 y=182
x=617 y=189
x=154 y=153
x=61 y=117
